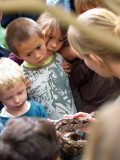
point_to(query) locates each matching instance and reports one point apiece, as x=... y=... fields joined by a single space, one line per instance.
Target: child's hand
x=85 y=129
x=67 y=67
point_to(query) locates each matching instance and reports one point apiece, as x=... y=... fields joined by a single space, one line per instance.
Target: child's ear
x=27 y=82
x=95 y=59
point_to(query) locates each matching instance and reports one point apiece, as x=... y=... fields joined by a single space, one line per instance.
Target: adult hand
x=85 y=129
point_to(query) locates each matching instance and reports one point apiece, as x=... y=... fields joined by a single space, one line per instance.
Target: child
x=42 y=66
x=29 y=138
x=13 y=93
x=48 y=25
x=95 y=89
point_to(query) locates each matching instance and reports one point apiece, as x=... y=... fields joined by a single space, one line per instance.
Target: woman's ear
x=95 y=59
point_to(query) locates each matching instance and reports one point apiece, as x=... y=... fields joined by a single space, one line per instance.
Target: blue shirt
x=35 y=110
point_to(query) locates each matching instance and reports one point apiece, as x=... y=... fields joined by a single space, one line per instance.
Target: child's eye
x=51 y=37
x=8 y=98
x=61 y=40
x=29 y=54
x=38 y=47
x=20 y=92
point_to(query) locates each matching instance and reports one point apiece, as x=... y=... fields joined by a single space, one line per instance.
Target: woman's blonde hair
x=103 y=20
x=10 y=73
x=104 y=140
x=48 y=22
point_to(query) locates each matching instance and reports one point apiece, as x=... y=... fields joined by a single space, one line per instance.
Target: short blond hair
x=103 y=20
x=10 y=73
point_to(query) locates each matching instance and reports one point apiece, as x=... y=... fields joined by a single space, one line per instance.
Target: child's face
x=33 y=50
x=54 y=41
x=15 y=97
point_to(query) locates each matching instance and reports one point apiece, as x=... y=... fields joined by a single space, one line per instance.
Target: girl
x=53 y=32
x=55 y=35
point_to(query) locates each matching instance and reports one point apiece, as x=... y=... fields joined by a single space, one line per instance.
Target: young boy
x=28 y=138
x=49 y=82
x=13 y=93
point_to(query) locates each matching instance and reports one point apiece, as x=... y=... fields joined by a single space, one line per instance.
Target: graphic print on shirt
x=50 y=87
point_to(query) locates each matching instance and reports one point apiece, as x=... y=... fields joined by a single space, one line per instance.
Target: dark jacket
x=94 y=89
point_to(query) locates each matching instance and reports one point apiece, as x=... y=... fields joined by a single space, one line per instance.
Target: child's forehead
x=55 y=31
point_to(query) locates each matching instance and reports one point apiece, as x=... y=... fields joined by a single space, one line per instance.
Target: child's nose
x=54 y=44
x=16 y=99
x=37 y=55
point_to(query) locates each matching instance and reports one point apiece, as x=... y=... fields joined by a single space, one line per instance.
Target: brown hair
x=19 y=30
x=82 y=6
x=48 y=22
x=28 y=138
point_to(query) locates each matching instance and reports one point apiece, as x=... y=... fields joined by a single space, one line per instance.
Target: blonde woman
x=101 y=58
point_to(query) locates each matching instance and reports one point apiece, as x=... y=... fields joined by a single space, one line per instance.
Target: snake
x=71 y=143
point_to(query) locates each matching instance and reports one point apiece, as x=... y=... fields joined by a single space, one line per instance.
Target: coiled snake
x=71 y=143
